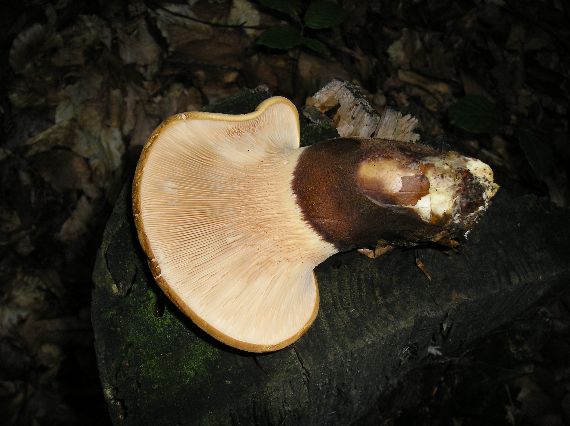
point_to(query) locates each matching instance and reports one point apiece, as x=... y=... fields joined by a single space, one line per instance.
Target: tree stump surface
x=378 y=319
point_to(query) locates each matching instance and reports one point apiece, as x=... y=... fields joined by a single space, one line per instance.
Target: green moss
x=160 y=324
x=149 y=340
x=152 y=370
x=110 y=315
x=197 y=360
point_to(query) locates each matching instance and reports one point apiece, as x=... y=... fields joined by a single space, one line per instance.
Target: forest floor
x=84 y=83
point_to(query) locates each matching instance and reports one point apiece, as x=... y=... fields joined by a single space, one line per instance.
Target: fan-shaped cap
x=219 y=222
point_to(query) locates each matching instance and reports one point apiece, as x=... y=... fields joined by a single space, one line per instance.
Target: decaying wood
x=378 y=319
x=354 y=116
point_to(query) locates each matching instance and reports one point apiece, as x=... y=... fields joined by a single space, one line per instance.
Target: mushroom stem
x=355 y=192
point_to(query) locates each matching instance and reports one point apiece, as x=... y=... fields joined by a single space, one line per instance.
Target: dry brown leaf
x=78 y=222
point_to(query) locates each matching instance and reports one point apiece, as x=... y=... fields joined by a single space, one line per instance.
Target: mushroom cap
x=219 y=223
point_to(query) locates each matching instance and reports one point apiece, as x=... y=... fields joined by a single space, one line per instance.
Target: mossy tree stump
x=377 y=320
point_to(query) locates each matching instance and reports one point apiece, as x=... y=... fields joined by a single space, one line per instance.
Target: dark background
x=83 y=83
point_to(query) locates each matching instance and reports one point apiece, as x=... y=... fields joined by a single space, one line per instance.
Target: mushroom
x=234 y=216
